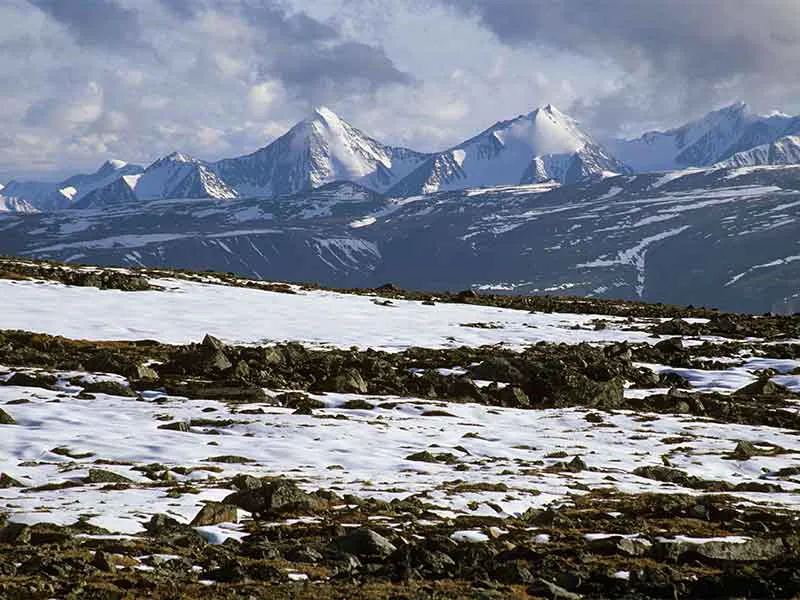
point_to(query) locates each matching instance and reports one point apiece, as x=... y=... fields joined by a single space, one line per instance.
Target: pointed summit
x=715 y=137
x=318 y=150
x=178 y=157
x=543 y=145
x=326 y=114
x=111 y=166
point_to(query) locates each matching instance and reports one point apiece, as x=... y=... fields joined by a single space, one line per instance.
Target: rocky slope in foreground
x=416 y=446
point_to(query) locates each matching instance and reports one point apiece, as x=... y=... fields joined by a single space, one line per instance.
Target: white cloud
x=218 y=78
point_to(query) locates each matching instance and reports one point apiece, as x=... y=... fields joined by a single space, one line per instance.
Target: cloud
x=677 y=55
x=96 y=22
x=82 y=80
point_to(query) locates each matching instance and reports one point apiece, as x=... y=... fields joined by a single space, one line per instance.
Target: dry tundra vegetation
x=659 y=461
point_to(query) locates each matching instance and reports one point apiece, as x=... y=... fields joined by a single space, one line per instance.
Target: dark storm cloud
x=96 y=22
x=702 y=39
x=682 y=57
x=311 y=57
x=310 y=68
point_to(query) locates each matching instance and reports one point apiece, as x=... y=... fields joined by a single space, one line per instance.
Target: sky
x=82 y=81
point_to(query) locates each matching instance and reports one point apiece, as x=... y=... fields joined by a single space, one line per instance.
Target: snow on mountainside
x=178 y=176
x=540 y=146
x=544 y=145
x=15 y=205
x=711 y=139
x=783 y=151
x=316 y=151
x=63 y=194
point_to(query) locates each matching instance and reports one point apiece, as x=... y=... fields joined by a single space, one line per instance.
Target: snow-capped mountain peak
x=63 y=194
x=110 y=167
x=542 y=145
x=179 y=175
x=320 y=149
x=713 y=138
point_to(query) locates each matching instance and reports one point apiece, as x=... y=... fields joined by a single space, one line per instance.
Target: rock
x=47 y=382
x=425 y=456
x=160 y=524
x=593 y=418
x=103 y=561
x=242 y=371
x=230 y=459
x=6 y=481
x=349 y=382
x=112 y=388
x=212 y=343
x=176 y=426
x=275 y=498
x=103 y=476
x=763 y=387
x=665 y=474
x=620 y=545
x=246 y=482
x=358 y=404
x=670 y=379
x=298 y=400
x=217 y=361
x=676 y=327
x=497 y=369
x=576 y=465
x=304 y=554
x=144 y=373
x=244 y=394
x=513 y=397
x=231 y=571
x=364 y=542
x=544 y=589
x=670 y=346
x=513 y=572
x=745 y=450
x=214 y=513
x=346 y=565
x=738 y=550
x=6 y=419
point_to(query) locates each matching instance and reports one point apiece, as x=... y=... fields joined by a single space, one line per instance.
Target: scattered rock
x=176 y=426
x=112 y=388
x=214 y=513
x=425 y=456
x=6 y=419
x=364 y=542
x=6 y=481
x=275 y=498
x=47 y=382
x=103 y=476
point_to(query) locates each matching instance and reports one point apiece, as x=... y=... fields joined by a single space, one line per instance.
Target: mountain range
x=544 y=145
x=724 y=237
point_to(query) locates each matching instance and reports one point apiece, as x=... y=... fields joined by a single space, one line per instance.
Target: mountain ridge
x=543 y=145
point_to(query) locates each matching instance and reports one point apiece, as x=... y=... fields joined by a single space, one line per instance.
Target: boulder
x=275 y=498
x=214 y=513
x=364 y=542
x=6 y=419
x=103 y=476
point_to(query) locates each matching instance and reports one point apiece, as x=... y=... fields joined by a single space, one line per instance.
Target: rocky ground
x=626 y=451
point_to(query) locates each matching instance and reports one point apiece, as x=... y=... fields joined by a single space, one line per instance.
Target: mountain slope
x=49 y=196
x=718 y=135
x=724 y=237
x=15 y=205
x=178 y=176
x=319 y=150
x=783 y=151
x=540 y=146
